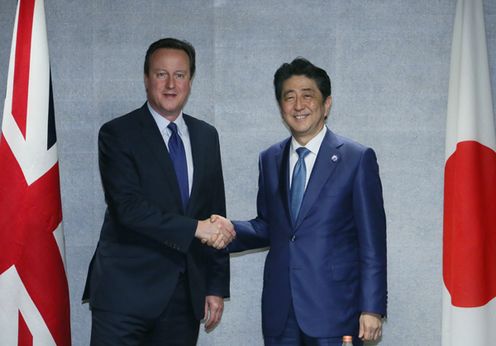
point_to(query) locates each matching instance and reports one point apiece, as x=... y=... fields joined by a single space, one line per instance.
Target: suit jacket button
x=293 y=238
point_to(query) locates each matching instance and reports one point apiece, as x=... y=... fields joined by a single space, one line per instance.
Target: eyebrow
x=304 y=90
x=165 y=70
x=308 y=89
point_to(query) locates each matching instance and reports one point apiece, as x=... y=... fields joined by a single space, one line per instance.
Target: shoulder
x=193 y=121
x=276 y=148
x=127 y=122
x=355 y=152
x=349 y=145
x=199 y=127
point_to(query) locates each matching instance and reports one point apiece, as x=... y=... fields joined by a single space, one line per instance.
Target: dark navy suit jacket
x=146 y=238
x=330 y=263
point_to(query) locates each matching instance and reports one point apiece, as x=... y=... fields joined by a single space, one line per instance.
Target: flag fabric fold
x=469 y=238
x=34 y=295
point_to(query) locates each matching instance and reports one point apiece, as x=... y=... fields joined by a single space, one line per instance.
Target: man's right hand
x=217 y=231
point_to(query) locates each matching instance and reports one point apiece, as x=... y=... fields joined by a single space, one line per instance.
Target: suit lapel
x=325 y=164
x=198 y=156
x=282 y=160
x=153 y=138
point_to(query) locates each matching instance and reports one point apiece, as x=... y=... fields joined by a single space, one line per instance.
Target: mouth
x=300 y=116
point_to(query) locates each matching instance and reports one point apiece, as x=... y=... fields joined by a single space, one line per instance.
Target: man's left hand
x=370 y=326
x=214 y=306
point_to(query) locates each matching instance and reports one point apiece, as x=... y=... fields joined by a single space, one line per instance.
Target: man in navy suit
x=153 y=277
x=320 y=210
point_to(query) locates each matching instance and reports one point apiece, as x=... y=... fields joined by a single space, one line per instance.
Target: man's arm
x=218 y=274
x=128 y=203
x=371 y=224
x=253 y=234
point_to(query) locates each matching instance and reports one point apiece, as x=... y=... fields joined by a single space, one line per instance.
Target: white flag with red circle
x=469 y=238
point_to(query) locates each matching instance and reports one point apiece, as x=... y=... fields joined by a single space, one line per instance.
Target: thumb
x=361 y=331
x=205 y=316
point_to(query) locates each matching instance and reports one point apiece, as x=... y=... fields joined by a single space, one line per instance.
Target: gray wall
x=389 y=63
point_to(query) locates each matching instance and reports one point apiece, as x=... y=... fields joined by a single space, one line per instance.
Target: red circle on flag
x=469 y=240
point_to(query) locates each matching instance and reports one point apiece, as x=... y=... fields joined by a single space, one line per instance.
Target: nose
x=298 y=104
x=170 y=83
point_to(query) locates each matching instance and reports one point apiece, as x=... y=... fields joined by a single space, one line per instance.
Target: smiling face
x=303 y=108
x=168 y=82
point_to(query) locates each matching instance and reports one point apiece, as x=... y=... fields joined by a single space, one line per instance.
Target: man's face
x=303 y=108
x=168 y=82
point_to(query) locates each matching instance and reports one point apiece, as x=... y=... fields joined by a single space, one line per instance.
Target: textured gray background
x=389 y=63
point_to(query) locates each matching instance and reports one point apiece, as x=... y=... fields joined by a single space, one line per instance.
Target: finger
x=214 y=321
x=213 y=218
x=209 y=322
x=205 y=312
x=228 y=233
x=220 y=243
x=215 y=317
x=230 y=228
x=228 y=241
x=213 y=238
x=361 y=331
x=228 y=237
x=369 y=334
x=378 y=334
x=216 y=238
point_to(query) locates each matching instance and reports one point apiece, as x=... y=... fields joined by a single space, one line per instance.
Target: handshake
x=216 y=232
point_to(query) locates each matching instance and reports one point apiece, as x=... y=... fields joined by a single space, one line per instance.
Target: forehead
x=299 y=83
x=169 y=58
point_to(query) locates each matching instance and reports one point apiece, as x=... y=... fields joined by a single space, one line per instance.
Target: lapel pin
x=334 y=158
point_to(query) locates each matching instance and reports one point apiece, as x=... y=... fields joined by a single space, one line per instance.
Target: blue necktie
x=298 y=182
x=178 y=156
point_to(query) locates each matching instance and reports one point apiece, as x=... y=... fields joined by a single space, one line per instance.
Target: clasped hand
x=217 y=231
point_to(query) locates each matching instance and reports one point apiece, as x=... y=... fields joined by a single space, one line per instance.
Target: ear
x=327 y=105
x=146 y=81
x=280 y=108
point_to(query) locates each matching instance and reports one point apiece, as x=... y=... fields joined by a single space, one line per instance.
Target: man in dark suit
x=320 y=209
x=151 y=279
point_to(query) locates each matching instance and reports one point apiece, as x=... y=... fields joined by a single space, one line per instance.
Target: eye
x=180 y=75
x=161 y=75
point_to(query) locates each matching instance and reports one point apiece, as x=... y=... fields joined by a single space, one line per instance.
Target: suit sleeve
x=218 y=276
x=127 y=201
x=253 y=234
x=371 y=224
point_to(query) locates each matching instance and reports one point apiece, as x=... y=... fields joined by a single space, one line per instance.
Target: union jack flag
x=34 y=296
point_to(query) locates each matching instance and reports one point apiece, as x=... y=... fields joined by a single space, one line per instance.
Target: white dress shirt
x=183 y=132
x=314 y=146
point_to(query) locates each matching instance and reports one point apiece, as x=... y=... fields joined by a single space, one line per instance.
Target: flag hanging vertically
x=469 y=240
x=34 y=296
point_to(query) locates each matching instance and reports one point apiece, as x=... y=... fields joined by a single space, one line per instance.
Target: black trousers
x=176 y=326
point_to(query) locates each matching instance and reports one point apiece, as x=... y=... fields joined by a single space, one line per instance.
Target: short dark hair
x=171 y=43
x=302 y=67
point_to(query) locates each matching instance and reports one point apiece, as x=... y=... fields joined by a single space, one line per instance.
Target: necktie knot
x=173 y=127
x=302 y=152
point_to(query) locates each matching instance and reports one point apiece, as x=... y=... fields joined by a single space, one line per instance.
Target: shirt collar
x=313 y=145
x=162 y=122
